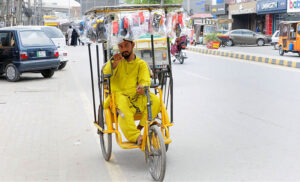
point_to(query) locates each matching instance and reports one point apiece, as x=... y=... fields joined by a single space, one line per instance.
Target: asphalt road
x=234 y=121
x=266 y=51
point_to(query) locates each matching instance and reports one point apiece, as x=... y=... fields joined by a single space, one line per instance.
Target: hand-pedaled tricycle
x=153 y=46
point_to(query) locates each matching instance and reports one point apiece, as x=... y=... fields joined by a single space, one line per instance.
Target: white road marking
x=195 y=75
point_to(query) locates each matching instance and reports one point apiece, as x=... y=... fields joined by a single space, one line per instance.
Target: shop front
x=270 y=13
x=243 y=15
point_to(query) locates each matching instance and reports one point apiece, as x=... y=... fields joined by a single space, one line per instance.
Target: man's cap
x=121 y=39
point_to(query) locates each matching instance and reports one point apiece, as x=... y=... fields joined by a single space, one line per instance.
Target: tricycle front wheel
x=156 y=155
x=105 y=138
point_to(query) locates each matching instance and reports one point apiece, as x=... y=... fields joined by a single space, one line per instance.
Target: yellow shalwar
x=126 y=77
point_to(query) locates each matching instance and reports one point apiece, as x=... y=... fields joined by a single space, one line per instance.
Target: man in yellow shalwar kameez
x=130 y=76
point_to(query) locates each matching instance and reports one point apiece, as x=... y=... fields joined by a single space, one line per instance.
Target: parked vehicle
x=26 y=50
x=244 y=36
x=289 y=37
x=275 y=39
x=59 y=40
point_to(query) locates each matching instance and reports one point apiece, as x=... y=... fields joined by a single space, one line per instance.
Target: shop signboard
x=204 y=21
x=219 y=9
x=271 y=6
x=243 y=8
x=293 y=6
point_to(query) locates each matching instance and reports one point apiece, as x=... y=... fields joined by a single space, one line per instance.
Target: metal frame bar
x=92 y=80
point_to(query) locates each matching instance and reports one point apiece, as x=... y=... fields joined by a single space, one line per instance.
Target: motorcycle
x=178 y=47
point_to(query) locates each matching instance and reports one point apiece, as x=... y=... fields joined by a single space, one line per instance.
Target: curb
x=247 y=57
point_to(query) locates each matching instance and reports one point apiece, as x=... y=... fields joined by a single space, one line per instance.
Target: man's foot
x=139 y=140
x=140 y=127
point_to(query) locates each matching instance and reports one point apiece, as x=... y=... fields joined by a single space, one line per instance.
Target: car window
x=4 y=39
x=7 y=39
x=237 y=32
x=34 y=38
x=52 y=32
x=247 y=32
x=277 y=34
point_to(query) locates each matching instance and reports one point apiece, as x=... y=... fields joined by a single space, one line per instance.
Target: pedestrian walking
x=74 y=37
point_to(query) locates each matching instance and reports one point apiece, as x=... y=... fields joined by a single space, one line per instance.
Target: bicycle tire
x=105 y=143
x=156 y=158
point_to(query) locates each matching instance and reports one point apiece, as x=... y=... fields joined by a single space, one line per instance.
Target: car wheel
x=230 y=42
x=260 y=42
x=47 y=73
x=281 y=52
x=12 y=73
x=62 y=65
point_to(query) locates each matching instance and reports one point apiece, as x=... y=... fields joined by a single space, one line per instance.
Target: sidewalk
x=265 y=54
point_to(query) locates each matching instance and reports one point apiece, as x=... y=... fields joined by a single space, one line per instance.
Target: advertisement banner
x=271 y=6
x=293 y=6
x=219 y=9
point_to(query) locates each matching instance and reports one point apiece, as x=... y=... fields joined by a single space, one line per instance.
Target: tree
x=153 y=1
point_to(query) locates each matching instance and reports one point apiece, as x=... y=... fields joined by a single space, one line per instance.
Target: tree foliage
x=153 y=1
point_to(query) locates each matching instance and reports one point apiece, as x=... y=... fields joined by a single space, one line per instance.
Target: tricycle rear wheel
x=105 y=138
x=281 y=51
x=156 y=157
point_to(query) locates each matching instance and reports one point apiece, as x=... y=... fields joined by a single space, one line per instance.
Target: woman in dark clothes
x=74 y=37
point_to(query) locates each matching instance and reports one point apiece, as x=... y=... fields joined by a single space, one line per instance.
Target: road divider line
x=247 y=57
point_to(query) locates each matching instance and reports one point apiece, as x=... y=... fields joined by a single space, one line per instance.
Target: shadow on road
x=132 y=160
x=25 y=79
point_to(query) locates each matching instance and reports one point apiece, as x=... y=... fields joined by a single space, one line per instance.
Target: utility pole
x=7 y=13
x=34 y=11
x=30 y=16
x=40 y=12
x=19 y=12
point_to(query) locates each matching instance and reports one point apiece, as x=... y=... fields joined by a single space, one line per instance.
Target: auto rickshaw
x=289 y=37
x=156 y=137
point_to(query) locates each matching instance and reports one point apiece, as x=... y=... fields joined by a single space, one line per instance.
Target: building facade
x=197 y=6
x=243 y=14
x=219 y=9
